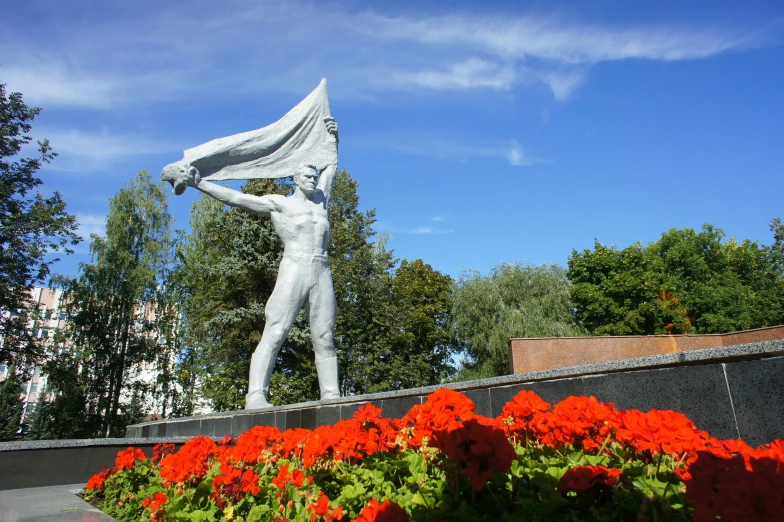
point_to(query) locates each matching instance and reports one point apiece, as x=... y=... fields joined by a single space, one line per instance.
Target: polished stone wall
x=732 y=391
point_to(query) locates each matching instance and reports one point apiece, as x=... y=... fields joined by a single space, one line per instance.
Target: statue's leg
x=281 y=310
x=322 y=311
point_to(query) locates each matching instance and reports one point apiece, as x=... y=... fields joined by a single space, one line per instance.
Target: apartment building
x=51 y=317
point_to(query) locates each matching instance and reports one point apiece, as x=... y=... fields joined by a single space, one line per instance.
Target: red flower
x=525 y=409
x=321 y=508
x=250 y=482
x=444 y=410
x=127 y=458
x=585 y=478
x=577 y=420
x=386 y=512
x=97 y=480
x=191 y=462
x=728 y=489
x=293 y=442
x=660 y=431
x=480 y=449
x=297 y=478
x=252 y=444
x=160 y=450
x=156 y=502
x=282 y=478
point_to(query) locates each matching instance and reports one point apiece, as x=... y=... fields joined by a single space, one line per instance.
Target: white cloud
x=422 y=230
x=430 y=230
x=91 y=224
x=471 y=73
x=79 y=150
x=156 y=55
x=518 y=157
x=54 y=85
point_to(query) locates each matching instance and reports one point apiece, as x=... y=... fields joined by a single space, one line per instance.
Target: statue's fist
x=180 y=175
x=332 y=126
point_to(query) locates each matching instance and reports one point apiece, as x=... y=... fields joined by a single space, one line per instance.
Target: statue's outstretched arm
x=234 y=198
x=182 y=175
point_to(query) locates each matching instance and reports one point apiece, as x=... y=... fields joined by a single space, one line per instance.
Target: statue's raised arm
x=302 y=137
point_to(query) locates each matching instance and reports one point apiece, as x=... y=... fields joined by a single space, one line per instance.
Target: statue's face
x=306 y=179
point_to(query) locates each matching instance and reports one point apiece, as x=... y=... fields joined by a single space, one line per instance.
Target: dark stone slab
x=280 y=420
x=293 y=419
x=162 y=428
x=757 y=389
x=187 y=428
x=699 y=392
x=550 y=391
x=397 y=408
x=307 y=418
x=222 y=427
x=241 y=423
x=207 y=427
x=481 y=399
x=327 y=415
x=264 y=419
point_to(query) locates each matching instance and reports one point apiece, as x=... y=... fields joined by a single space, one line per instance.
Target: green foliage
x=686 y=282
x=31 y=226
x=514 y=300
x=11 y=407
x=115 y=305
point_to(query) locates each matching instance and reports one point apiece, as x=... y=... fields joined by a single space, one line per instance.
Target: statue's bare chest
x=304 y=220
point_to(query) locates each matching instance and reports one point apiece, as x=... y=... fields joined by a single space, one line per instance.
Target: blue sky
x=481 y=132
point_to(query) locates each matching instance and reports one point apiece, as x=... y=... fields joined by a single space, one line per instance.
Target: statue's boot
x=256 y=400
x=328 y=378
x=261 y=366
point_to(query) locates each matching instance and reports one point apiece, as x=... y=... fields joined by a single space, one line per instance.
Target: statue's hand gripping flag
x=275 y=151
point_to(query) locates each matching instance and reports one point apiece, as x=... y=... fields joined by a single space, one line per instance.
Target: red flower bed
x=579 y=459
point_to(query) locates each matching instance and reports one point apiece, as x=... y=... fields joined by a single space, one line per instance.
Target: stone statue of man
x=304 y=277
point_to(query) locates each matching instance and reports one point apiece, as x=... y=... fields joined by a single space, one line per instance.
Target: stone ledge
x=536 y=354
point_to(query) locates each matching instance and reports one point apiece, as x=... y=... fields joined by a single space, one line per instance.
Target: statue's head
x=178 y=174
x=306 y=179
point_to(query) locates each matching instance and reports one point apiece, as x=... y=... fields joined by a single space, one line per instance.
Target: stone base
x=731 y=391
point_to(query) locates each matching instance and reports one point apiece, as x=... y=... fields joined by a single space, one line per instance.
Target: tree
x=514 y=300
x=31 y=226
x=686 y=282
x=114 y=306
x=418 y=344
x=11 y=407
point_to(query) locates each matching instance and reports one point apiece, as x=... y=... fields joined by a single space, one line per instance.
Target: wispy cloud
x=79 y=150
x=91 y=224
x=461 y=150
x=156 y=55
x=429 y=230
